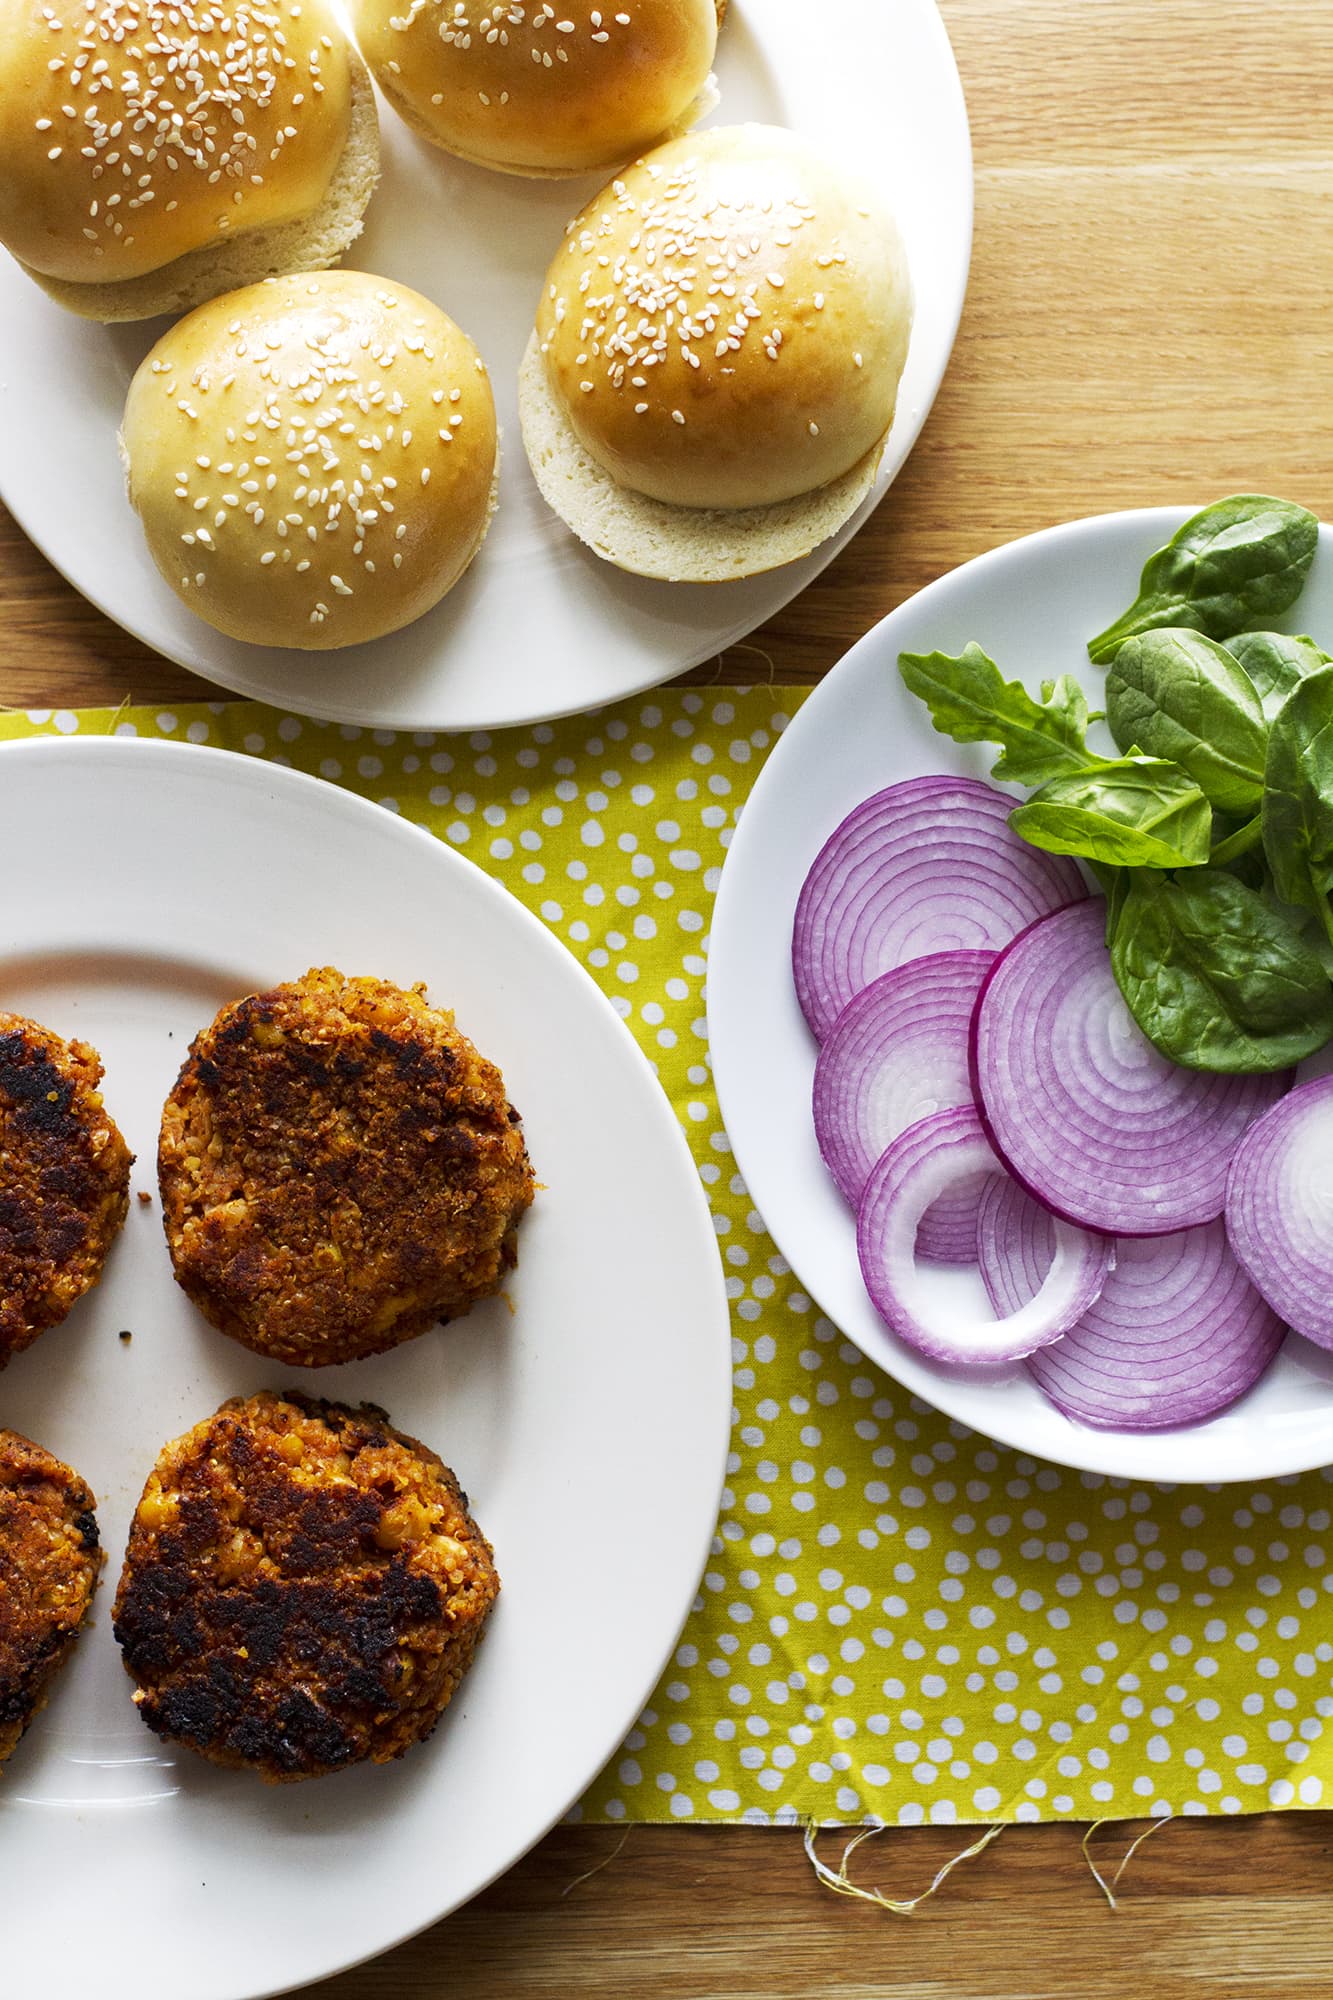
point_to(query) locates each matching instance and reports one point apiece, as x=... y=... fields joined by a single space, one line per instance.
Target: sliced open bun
x=708 y=99
x=310 y=243
x=652 y=538
x=540 y=92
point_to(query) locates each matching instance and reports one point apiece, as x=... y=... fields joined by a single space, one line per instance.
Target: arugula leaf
x=1216 y=977
x=1231 y=564
x=970 y=700
x=1179 y=695
x=1276 y=662
x=1136 y=812
x=1298 y=799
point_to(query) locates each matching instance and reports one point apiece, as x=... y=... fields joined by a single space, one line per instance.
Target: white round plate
x=586 y=1411
x=1033 y=605
x=540 y=626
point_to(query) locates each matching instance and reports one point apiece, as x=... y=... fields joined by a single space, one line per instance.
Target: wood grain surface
x=1150 y=320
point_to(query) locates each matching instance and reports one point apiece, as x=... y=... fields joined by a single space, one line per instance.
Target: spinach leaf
x=1233 y=845
x=1276 y=662
x=1114 y=885
x=1136 y=812
x=970 y=700
x=1298 y=800
x=1240 y=560
x=1216 y=977
x=1181 y=696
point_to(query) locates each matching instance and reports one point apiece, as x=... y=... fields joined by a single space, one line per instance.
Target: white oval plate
x=540 y=626
x=586 y=1411
x=1033 y=605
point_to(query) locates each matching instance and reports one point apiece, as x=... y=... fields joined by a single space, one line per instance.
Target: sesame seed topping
x=669 y=267
x=330 y=405
x=170 y=81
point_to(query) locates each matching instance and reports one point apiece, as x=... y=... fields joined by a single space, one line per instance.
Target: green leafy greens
x=1216 y=976
x=970 y=700
x=1230 y=565
x=1275 y=663
x=1138 y=812
x=1183 y=697
x=1211 y=835
x=1298 y=799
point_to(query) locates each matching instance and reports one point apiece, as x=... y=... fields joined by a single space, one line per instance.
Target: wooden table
x=1150 y=320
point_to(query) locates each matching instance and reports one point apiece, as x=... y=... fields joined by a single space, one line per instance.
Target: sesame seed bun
x=541 y=89
x=156 y=152
x=716 y=358
x=313 y=459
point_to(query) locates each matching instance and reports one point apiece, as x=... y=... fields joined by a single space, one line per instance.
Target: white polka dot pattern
x=900 y=1620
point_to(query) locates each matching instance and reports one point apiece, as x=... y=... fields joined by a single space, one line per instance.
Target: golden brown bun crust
x=652 y=538
x=119 y=150
x=304 y=1588
x=340 y=1170
x=536 y=88
x=309 y=242
x=49 y=1565
x=313 y=458
x=727 y=322
x=66 y=1178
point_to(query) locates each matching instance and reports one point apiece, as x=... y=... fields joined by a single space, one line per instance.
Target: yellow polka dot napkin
x=900 y=1620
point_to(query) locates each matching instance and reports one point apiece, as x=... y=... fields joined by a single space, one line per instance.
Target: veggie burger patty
x=340 y=1169
x=49 y=1564
x=64 y=1179
x=304 y=1588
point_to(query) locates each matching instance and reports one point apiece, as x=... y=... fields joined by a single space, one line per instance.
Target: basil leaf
x=1216 y=977
x=1133 y=813
x=1276 y=662
x=1298 y=801
x=1181 y=696
x=1241 y=560
x=970 y=700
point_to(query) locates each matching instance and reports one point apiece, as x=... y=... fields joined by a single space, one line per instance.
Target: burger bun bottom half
x=656 y=539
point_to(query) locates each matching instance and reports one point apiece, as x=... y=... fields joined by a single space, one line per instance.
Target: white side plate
x=1033 y=605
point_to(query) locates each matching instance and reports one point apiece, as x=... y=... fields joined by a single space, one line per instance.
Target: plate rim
x=1082 y=1452
x=928 y=22
x=137 y=756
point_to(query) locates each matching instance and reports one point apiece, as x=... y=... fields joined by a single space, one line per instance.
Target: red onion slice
x=1280 y=1208
x=1081 y=1107
x=914 y=1171
x=1178 y=1333
x=948 y=1230
x=927 y=866
x=898 y=1052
